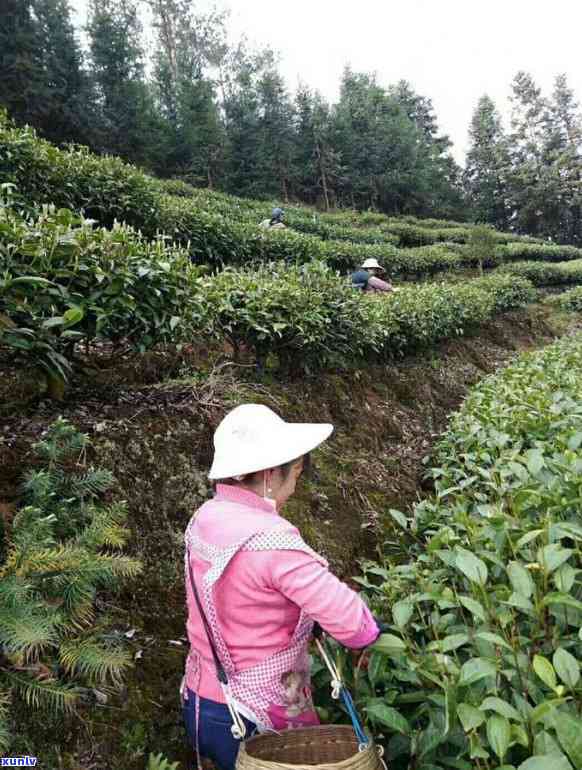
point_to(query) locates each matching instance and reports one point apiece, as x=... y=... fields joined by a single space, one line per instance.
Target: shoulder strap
x=220 y=672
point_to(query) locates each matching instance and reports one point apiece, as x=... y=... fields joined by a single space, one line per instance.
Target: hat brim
x=289 y=442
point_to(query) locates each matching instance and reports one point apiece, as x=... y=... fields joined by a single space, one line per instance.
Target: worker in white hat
x=367 y=278
x=254 y=590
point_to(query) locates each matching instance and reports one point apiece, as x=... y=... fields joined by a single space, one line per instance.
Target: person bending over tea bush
x=276 y=221
x=367 y=278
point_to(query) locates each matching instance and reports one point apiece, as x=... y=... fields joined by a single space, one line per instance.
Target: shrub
x=305 y=315
x=543 y=251
x=426 y=260
x=398 y=263
x=341 y=232
x=311 y=318
x=480 y=247
x=418 y=317
x=105 y=188
x=509 y=292
x=217 y=228
x=545 y=273
x=62 y=548
x=570 y=300
x=481 y=667
x=346 y=256
x=63 y=282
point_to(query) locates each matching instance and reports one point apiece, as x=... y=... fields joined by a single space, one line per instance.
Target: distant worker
x=367 y=278
x=275 y=222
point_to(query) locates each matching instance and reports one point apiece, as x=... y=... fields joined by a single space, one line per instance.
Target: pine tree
x=437 y=187
x=316 y=163
x=188 y=47
x=487 y=166
x=565 y=150
x=381 y=149
x=240 y=76
x=129 y=126
x=63 y=546
x=419 y=109
x=43 y=82
x=276 y=132
x=533 y=183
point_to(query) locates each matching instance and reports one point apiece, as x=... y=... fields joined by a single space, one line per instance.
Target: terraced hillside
x=142 y=310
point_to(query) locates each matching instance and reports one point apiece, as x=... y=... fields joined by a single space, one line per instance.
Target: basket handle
x=340 y=690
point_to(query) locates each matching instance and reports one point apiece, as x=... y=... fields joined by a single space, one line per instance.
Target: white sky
x=450 y=50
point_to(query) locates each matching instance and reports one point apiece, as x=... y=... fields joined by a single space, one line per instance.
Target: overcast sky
x=450 y=50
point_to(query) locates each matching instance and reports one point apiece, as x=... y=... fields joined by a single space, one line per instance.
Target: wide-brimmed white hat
x=253 y=438
x=369 y=263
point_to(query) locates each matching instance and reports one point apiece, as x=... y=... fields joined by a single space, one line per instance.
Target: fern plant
x=159 y=762
x=63 y=547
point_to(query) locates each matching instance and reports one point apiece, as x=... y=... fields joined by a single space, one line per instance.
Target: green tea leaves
x=389 y=717
x=470 y=717
x=520 y=579
x=499 y=735
x=389 y=645
x=567 y=668
x=471 y=566
x=545 y=671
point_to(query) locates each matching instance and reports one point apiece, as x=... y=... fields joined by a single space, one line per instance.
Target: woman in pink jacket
x=254 y=590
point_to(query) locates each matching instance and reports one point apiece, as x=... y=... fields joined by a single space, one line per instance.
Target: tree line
x=528 y=179
x=188 y=104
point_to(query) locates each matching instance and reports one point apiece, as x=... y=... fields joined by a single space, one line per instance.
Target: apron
x=274 y=694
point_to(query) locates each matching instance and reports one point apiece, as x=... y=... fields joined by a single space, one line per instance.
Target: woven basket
x=329 y=747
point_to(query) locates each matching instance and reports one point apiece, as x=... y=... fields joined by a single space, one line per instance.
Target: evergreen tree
x=419 y=109
x=241 y=73
x=565 y=150
x=276 y=131
x=437 y=177
x=128 y=122
x=393 y=158
x=533 y=184
x=189 y=48
x=42 y=81
x=487 y=166
x=316 y=163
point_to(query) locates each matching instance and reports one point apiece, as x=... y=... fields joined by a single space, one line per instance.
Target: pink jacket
x=377 y=284
x=259 y=598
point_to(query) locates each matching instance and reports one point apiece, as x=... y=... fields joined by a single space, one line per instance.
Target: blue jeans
x=215 y=739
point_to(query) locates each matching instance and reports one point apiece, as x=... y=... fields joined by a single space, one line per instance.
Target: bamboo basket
x=329 y=747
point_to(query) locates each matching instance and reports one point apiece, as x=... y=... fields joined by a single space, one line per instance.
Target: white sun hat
x=369 y=263
x=253 y=438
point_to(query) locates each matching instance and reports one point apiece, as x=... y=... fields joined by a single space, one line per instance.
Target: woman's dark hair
x=285 y=471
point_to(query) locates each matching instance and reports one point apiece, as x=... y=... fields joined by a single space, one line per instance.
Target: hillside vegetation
x=104 y=268
x=482 y=665
x=146 y=282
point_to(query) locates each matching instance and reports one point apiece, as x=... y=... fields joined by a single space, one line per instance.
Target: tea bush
x=341 y=232
x=63 y=546
x=216 y=228
x=63 y=282
x=542 y=251
x=570 y=300
x=105 y=188
x=545 y=273
x=481 y=667
x=310 y=318
x=305 y=315
x=211 y=238
x=421 y=316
